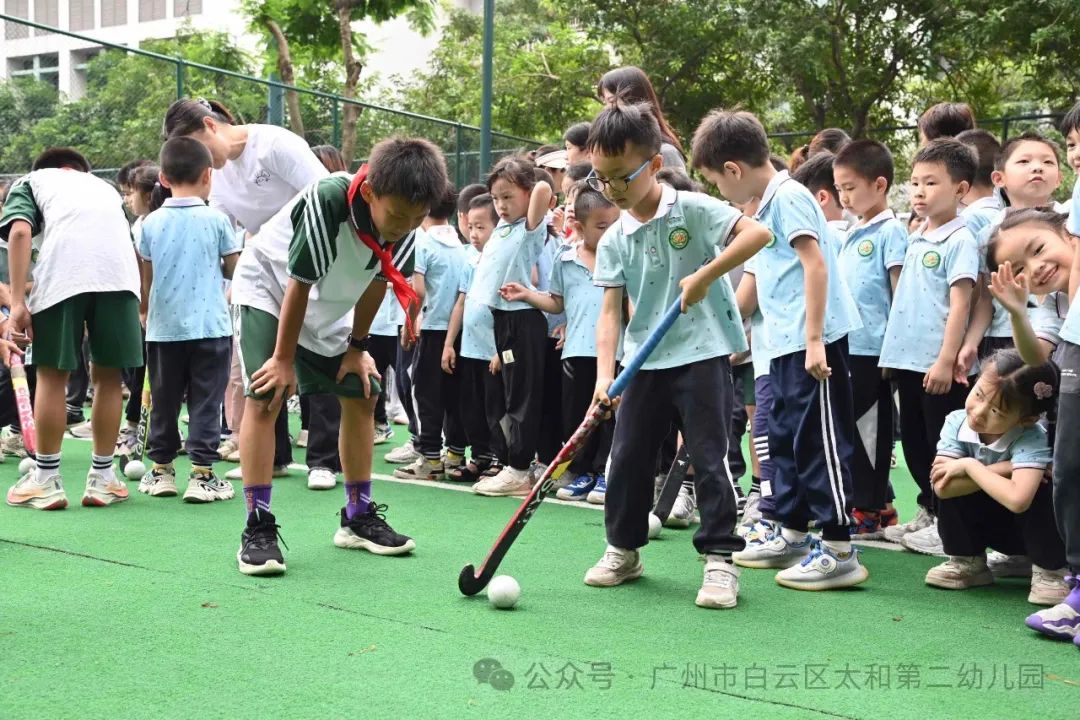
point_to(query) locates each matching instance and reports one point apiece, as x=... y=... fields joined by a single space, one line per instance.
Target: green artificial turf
x=138 y=611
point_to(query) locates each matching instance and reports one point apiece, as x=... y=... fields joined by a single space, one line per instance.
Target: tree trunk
x=285 y=68
x=353 y=67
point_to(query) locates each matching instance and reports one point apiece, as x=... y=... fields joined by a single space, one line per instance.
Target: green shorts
x=743 y=376
x=315 y=374
x=110 y=321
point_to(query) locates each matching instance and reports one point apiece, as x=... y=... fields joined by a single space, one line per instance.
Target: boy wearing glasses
x=666 y=245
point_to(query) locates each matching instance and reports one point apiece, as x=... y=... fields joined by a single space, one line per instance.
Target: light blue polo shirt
x=477 y=323
x=553 y=248
x=838 y=230
x=1001 y=324
x=1048 y=316
x=508 y=257
x=790 y=211
x=649 y=259
x=760 y=354
x=572 y=280
x=1025 y=447
x=934 y=262
x=1073 y=223
x=982 y=212
x=440 y=258
x=389 y=318
x=185 y=241
x=869 y=252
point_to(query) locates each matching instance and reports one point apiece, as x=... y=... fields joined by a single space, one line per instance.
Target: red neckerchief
x=402 y=289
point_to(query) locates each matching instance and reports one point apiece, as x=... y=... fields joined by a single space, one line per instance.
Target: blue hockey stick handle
x=643 y=353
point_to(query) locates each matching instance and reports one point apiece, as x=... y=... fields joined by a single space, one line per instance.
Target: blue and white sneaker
x=579 y=489
x=772 y=551
x=599 y=491
x=823 y=569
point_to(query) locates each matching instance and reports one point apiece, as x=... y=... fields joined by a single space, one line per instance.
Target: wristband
x=361 y=344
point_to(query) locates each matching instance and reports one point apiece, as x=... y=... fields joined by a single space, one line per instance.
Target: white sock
x=793 y=537
x=47 y=466
x=838 y=547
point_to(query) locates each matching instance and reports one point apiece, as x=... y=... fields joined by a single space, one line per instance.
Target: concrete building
x=61 y=60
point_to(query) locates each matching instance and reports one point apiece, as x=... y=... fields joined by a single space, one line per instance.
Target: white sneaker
x=228 y=448
x=400 y=418
x=207 y=489
x=960 y=572
x=720 y=588
x=1048 y=587
x=402 y=455
x=1006 y=566
x=823 y=569
x=615 y=567
x=47 y=495
x=82 y=431
x=773 y=551
x=158 y=483
x=922 y=519
x=302 y=439
x=682 y=512
x=926 y=541
x=508 y=481
x=11 y=443
x=103 y=488
x=751 y=514
x=321 y=479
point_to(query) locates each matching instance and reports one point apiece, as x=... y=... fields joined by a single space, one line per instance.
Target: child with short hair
x=1070 y=128
x=666 y=245
x=84 y=282
x=808 y=314
x=988 y=476
x=576 y=139
x=138 y=187
x=572 y=291
x=871 y=257
x=188 y=251
x=1036 y=247
x=983 y=201
x=945 y=120
x=464 y=197
x=521 y=331
x=440 y=261
x=1028 y=173
x=816 y=174
x=927 y=322
x=476 y=362
x=307 y=287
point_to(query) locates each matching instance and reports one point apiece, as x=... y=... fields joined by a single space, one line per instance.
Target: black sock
x=755 y=484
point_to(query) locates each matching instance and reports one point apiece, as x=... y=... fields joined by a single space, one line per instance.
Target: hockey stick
x=669 y=491
x=471 y=582
x=142 y=430
x=22 y=402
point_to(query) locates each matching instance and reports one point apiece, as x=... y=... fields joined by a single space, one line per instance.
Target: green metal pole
x=337 y=123
x=179 y=78
x=459 y=160
x=276 y=104
x=485 y=101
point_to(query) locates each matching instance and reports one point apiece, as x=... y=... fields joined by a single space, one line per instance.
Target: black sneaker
x=370 y=531
x=259 y=553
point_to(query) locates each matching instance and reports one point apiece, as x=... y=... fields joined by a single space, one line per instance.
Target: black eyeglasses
x=618 y=185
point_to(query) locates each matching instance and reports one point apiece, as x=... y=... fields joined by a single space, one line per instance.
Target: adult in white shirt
x=258 y=169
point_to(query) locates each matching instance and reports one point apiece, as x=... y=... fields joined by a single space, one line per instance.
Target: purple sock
x=357 y=497
x=257 y=497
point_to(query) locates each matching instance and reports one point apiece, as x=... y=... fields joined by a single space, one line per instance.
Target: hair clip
x=205 y=103
x=1044 y=391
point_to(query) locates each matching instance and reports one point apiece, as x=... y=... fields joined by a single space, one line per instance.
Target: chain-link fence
x=117 y=96
x=903 y=142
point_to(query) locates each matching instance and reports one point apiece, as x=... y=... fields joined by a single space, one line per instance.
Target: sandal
x=470 y=472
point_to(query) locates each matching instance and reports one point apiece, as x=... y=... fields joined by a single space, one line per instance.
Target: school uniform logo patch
x=931 y=260
x=866 y=248
x=505 y=231
x=772 y=240
x=679 y=238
